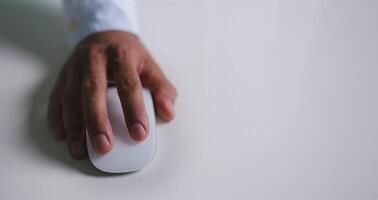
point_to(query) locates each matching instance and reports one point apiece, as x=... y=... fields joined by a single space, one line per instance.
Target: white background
x=278 y=100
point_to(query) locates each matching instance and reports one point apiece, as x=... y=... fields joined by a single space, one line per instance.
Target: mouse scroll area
x=126 y=155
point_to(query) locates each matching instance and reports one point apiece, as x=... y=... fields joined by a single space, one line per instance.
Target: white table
x=277 y=100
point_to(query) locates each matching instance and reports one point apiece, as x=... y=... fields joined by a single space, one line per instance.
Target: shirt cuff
x=84 y=17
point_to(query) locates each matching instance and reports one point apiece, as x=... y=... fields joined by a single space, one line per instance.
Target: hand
x=78 y=99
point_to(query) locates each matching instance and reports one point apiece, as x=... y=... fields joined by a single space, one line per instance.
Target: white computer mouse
x=126 y=155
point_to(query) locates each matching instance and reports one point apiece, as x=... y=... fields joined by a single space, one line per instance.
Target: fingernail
x=78 y=149
x=100 y=143
x=168 y=112
x=169 y=106
x=137 y=132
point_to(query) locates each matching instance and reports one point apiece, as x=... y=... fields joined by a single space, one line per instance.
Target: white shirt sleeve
x=84 y=17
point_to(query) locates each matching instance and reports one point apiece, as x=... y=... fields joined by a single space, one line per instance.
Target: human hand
x=78 y=99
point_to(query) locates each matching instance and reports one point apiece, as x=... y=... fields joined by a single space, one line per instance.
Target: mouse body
x=126 y=155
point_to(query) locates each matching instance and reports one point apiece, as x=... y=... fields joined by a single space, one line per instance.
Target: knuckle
x=88 y=61
x=122 y=47
x=95 y=52
x=89 y=54
x=95 y=49
x=85 y=47
x=90 y=84
x=129 y=83
x=120 y=51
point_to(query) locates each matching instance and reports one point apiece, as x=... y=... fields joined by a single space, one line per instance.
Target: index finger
x=129 y=87
x=94 y=100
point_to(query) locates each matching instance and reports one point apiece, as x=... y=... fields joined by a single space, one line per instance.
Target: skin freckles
x=78 y=99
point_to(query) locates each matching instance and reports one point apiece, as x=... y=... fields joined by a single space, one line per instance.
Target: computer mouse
x=126 y=155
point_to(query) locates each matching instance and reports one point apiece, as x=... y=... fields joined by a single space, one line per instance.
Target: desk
x=277 y=100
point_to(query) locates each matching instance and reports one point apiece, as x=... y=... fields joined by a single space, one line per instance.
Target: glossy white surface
x=126 y=155
x=277 y=100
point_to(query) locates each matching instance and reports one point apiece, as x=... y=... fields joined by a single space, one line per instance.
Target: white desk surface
x=277 y=100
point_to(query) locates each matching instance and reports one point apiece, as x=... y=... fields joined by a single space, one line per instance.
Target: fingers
x=129 y=87
x=54 y=113
x=163 y=92
x=73 y=114
x=78 y=101
x=94 y=87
